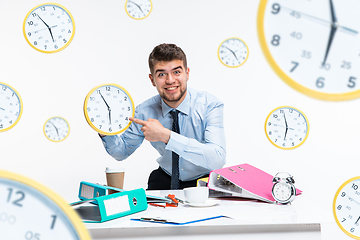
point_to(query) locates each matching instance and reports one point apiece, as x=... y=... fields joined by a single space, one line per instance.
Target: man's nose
x=170 y=78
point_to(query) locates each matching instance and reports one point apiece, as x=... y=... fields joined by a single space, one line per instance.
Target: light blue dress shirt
x=200 y=144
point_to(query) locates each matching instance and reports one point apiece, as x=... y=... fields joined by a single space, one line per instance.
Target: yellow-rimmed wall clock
x=11 y=107
x=49 y=27
x=314 y=46
x=138 y=9
x=346 y=207
x=30 y=210
x=286 y=127
x=56 y=129
x=107 y=109
x=233 y=52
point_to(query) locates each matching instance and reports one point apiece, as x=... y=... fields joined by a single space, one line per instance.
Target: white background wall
x=109 y=46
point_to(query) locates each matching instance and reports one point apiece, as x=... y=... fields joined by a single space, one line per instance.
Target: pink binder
x=245 y=181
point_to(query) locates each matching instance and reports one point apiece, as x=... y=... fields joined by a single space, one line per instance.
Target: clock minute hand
x=232 y=52
x=137 y=6
x=286 y=125
x=57 y=131
x=109 y=109
x=334 y=27
x=49 y=28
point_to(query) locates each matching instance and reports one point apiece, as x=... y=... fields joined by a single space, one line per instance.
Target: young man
x=198 y=148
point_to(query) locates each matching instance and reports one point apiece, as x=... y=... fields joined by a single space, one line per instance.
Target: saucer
x=208 y=203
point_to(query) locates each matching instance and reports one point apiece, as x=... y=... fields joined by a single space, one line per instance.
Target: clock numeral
x=320 y=82
x=53 y=221
x=31 y=23
x=275 y=8
x=325 y=66
x=29 y=235
x=306 y=54
x=354 y=186
x=110 y=129
x=17 y=201
x=120 y=127
x=352 y=82
x=343 y=194
x=297 y=35
x=295 y=14
x=346 y=65
x=339 y=207
x=108 y=88
x=276 y=40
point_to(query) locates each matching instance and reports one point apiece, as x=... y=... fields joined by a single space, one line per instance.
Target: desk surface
x=246 y=217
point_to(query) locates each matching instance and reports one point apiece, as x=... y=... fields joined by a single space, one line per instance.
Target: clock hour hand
x=109 y=109
x=49 y=28
x=334 y=27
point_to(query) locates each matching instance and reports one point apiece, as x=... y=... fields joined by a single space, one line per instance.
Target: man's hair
x=166 y=52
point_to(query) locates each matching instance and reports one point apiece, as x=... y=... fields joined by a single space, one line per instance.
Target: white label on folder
x=87 y=191
x=117 y=205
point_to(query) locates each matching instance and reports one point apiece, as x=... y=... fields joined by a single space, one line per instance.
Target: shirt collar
x=184 y=107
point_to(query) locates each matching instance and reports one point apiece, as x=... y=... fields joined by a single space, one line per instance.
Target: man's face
x=170 y=80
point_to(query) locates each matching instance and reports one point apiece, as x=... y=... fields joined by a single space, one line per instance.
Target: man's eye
x=161 y=75
x=177 y=72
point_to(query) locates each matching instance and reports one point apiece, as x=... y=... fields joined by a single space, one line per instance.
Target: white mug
x=196 y=194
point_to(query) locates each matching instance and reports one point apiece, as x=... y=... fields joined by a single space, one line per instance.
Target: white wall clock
x=56 y=129
x=11 y=107
x=31 y=211
x=138 y=9
x=49 y=27
x=314 y=46
x=346 y=207
x=233 y=52
x=286 y=127
x=107 y=109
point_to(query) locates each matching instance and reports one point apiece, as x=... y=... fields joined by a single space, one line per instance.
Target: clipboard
x=243 y=180
x=111 y=206
x=171 y=222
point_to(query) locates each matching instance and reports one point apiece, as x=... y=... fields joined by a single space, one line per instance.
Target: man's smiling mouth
x=170 y=88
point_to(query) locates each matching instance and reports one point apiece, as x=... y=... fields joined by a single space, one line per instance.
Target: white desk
x=249 y=219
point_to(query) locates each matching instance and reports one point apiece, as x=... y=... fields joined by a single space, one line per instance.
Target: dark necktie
x=175 y=157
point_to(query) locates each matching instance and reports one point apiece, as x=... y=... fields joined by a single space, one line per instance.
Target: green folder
x=108 y=207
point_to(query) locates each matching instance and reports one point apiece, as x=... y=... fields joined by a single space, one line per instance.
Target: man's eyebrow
x=163 y=70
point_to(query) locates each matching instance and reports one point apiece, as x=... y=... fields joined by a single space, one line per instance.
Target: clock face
x=314 y=46
x=346 y=207
x=49 y=28
x=286 y=127
x=107 y=109
x=31 y=211
x=56 y=129
x=138 y=9
x=282 y=192
x=10 y=107
x=233 y=52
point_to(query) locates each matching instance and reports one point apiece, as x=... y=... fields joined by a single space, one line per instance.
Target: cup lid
x=114 y=169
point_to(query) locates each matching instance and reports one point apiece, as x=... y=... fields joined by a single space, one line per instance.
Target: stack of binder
x=245 y=181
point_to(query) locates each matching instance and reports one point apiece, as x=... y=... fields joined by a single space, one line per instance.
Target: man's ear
x=152 y=79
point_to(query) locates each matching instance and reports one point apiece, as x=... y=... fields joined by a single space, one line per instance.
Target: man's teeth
x=172 y=88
